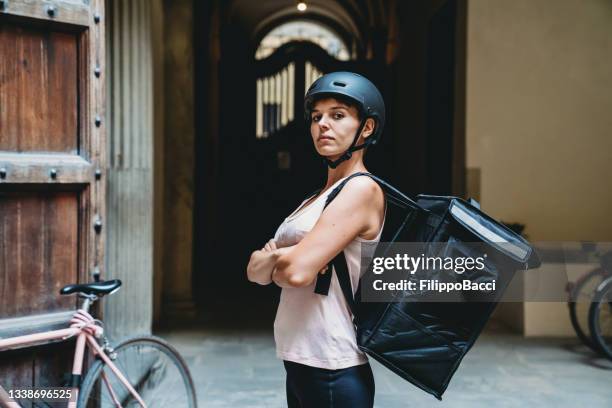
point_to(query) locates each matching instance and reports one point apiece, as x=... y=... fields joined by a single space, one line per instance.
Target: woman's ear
x=368 y=128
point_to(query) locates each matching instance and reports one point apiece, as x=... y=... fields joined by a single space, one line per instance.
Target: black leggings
x=312 y=387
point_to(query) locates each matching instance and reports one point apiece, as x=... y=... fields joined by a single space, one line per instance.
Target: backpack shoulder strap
x=340 y=186
x=340 y=266
x=339 y=262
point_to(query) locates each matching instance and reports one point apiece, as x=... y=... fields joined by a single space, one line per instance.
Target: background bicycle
x=589 y=304
x=600 y=311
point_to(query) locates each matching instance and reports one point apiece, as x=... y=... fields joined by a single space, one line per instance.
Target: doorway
x=258 y=163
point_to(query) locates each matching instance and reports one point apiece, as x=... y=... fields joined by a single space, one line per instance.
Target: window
x=275 y=96
x=275 y=101
x=275 y=93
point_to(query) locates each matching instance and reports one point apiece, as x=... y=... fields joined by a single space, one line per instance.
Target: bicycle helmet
x=356 y=89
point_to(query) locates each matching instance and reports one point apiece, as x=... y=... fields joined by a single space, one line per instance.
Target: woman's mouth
x=323 y=137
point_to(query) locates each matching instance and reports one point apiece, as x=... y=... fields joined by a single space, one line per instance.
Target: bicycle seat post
x=87 y=301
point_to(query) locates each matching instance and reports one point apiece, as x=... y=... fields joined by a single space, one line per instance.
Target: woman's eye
x=338 y=115
x=316 y=118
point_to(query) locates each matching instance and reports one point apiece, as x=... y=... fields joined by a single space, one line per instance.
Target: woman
x=314 y=334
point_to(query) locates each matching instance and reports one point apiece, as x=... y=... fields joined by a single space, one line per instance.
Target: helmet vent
x=342 y=84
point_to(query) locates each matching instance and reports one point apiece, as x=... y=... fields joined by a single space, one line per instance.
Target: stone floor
x=238 y=369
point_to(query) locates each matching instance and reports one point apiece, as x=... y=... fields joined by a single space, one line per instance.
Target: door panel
x=39 y=247
x=52 y=173
x=38 y=96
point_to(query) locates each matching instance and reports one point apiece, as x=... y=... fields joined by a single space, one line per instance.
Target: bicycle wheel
x=600 y=318
x=580 y=299
x=153 y=368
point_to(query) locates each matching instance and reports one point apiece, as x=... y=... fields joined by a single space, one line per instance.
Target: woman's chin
x=331 y=154
x=331 y=157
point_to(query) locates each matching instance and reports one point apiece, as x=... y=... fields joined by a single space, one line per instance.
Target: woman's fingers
x=270 y=246
x=322 y=271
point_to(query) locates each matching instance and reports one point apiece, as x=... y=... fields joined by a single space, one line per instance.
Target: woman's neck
x=345 y=169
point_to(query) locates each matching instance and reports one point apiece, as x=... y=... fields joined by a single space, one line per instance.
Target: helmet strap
x=349 y=152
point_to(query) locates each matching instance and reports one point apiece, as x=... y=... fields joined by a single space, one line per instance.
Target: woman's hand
x=270 y=246
x=262 y=262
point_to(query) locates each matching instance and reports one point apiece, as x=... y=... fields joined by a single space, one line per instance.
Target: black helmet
x=358 y=90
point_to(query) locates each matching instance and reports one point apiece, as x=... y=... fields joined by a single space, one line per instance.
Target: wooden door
x=52 y=173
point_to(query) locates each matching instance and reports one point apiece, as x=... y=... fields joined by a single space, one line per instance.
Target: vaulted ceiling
x=350 y=18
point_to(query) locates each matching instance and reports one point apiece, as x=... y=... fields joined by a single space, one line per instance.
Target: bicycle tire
x=124 y=351
x=602 y=340
x=582 y=329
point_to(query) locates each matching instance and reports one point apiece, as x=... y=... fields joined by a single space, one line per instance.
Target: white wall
x=539 y=124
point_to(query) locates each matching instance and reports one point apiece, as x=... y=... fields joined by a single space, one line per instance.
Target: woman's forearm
x=280 y=278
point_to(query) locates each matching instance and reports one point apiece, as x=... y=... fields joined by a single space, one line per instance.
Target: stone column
x=130 y=206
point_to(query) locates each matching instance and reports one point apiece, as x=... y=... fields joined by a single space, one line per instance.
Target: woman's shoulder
x=363 y=188
x=363 y=184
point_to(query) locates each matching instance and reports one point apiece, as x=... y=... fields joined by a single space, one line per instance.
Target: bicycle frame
x=84 y=329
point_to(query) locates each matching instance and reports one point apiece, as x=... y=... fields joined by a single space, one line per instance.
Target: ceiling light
x=301 y=6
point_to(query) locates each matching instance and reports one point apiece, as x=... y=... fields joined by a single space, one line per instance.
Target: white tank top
x=313 y=329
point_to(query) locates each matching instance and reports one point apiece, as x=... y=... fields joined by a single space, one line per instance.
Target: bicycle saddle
x=94 y=288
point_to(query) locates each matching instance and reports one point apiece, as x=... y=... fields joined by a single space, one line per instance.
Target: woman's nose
x=323 y=122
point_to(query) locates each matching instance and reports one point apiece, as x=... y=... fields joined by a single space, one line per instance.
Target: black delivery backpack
x=424 y=342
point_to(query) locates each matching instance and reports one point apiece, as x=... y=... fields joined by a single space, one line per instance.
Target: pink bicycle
x=138 y=372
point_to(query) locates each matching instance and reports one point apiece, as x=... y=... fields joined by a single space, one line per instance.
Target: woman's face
x=333 y=126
